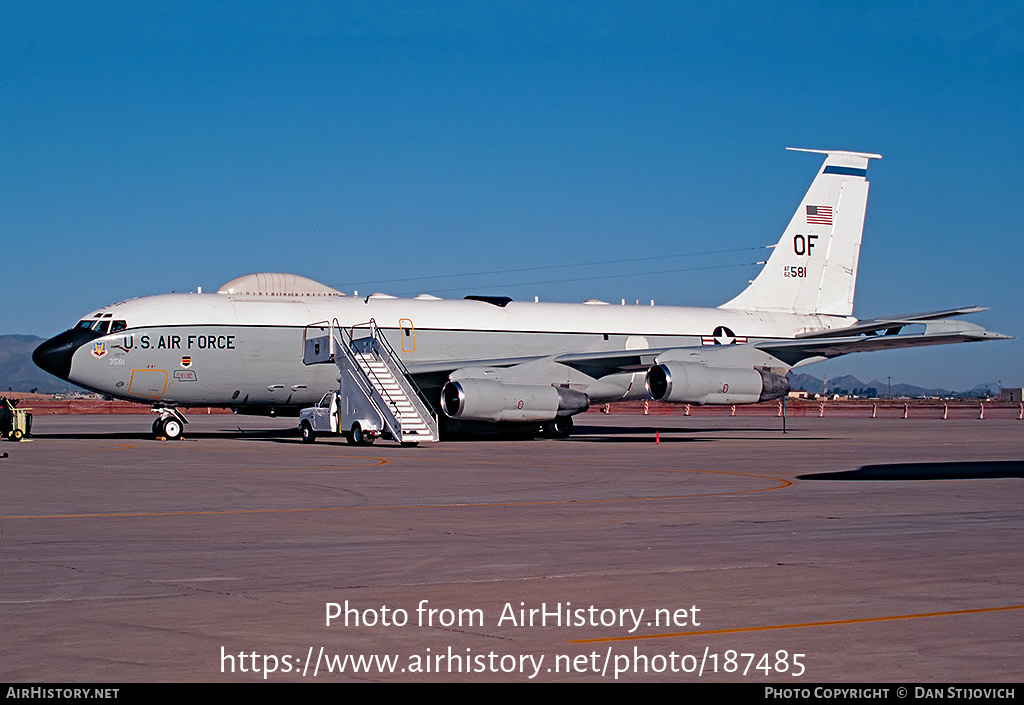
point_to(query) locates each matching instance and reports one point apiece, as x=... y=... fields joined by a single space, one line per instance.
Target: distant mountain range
x=17 y=371
x=850 y=385
x=19 y=374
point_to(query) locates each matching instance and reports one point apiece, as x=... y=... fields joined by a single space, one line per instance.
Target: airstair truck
x=376 y=396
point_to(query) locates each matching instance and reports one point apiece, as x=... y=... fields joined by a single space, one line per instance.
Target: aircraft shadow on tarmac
x=608 y=434
x=234 y=433
x=633 y=430
x=582 y=434
x=671 y=434
x=966 y=470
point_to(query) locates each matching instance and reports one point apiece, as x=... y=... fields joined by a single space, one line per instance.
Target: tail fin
x=813 y=268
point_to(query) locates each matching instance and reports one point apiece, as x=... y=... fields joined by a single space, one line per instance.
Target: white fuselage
x=243 y=346
x=246 y=351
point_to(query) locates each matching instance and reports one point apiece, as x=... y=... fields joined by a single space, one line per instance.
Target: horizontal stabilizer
x=889 y=323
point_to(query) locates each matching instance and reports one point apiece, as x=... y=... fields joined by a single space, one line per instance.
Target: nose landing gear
x=169 y=425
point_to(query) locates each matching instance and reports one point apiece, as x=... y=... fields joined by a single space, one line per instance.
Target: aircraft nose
x=55 y=354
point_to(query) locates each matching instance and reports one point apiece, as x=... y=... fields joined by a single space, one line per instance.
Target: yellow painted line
x=801 y=625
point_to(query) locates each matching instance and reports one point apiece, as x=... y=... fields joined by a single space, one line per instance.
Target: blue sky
x=155 y=147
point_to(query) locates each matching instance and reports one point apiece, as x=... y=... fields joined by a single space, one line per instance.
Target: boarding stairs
x=373 y=381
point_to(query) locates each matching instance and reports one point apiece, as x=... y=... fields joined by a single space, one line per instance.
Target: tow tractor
x=15 y=423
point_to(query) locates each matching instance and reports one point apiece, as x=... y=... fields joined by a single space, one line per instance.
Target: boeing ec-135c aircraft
x=491 y=359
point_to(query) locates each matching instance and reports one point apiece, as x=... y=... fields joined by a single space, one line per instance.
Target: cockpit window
x=102 y=327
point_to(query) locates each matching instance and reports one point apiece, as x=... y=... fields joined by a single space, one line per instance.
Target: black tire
x=156 y=426
x=559 y=427
x=308 y=434
x=359 y=437
x=17 y=434
x=171 y=428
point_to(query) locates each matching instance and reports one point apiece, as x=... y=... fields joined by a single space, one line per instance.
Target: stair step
x=397 y=394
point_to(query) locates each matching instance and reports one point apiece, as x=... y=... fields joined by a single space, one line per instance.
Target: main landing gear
x=558 y=427
x=169 y=425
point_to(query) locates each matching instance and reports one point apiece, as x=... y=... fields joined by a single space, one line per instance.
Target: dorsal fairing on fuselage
x=276 y=284
x=813 y=268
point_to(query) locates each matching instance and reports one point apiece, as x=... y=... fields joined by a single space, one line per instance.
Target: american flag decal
x=819 y=215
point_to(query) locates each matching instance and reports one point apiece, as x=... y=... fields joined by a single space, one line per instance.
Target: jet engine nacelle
x=487 y=400
x=689 y=383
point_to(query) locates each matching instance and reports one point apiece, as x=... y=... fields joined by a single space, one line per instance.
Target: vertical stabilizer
x=813 y=268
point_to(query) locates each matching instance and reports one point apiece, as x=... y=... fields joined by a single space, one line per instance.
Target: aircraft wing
x=600 y=364
x=862 y=337
x=883 y=333
x=880 y=334
x=418 y=369
x=595 y=364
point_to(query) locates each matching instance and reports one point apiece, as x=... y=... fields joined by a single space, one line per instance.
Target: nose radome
x=55 y=354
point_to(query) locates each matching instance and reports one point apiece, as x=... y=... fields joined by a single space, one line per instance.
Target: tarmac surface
x=814 y=556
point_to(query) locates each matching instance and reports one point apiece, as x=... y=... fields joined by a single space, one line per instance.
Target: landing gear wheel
x=156 y=426
x=560 y=427
x=171 y=428
x=308 y=434
x=360 y=438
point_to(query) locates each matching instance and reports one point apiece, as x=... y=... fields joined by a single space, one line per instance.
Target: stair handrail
x=386 y=395
x=376 y=334
x=367 y=385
